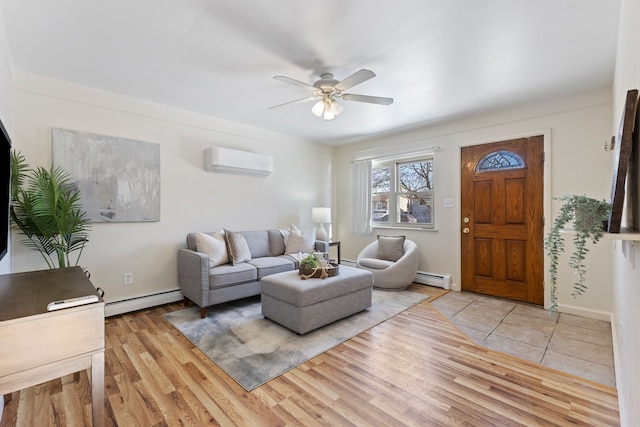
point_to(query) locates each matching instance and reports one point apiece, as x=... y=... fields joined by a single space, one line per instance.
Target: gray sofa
x=206 y=286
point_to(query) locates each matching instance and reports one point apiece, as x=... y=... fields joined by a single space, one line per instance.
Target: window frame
x=395 y=193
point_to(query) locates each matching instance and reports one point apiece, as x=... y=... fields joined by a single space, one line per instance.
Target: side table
x=40 y=345
x=336 y=243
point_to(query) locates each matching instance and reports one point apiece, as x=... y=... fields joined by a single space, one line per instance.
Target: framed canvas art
x=119 y=179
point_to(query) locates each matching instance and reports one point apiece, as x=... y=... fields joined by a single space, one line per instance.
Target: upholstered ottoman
x=304 y=305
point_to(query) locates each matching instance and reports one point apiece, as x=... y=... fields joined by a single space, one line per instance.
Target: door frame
x=546 y=196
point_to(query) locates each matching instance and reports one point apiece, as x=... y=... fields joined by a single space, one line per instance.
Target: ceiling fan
x=328 y=89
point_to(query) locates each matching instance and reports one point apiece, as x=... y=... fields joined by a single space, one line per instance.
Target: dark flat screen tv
x=5 y=193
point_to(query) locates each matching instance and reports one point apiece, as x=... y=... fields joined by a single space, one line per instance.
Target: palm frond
x=46 y=208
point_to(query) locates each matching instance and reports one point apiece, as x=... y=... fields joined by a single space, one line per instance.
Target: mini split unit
x=225 y=160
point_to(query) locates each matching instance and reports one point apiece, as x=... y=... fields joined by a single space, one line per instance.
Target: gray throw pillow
x=237 y=247
x=390 y=248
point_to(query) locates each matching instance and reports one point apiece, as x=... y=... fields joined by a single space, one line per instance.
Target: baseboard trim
x=617 y=363
x=585 y=312
x=139 y=303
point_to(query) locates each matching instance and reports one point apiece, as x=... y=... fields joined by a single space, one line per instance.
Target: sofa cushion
x=214 y=246
x=374 y=263
x=237 y=247
x=258 y=242
x=191 y=241
x=228 y=274
x=276 y=242
x=390 y=248
x=271 y=265
x=294 y=259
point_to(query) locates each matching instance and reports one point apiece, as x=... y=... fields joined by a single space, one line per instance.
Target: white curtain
x=361 y=200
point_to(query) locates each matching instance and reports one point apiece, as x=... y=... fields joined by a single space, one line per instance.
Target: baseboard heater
x=142 y=302
x=423 y=278
x=433 y=279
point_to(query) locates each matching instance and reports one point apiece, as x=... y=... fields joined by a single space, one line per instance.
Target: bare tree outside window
x=415 y=188
x=404 y=197
x=381 y=180
x=380 y=189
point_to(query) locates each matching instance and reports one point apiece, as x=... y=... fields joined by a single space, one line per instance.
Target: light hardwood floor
x=416 y=369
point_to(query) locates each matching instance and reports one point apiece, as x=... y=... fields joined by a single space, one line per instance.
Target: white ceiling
x=438 y=59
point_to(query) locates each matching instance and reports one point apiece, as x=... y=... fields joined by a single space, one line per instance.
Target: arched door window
x=500 y=160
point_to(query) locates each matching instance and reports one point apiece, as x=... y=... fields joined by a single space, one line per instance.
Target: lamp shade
x=336 y=108
x=321 y=215
x=318 y=108
x=328 y=114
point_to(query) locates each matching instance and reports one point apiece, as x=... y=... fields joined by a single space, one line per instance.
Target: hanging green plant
x=45 y=207
x=589 y=217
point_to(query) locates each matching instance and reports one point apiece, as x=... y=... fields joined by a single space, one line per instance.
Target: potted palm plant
x=589 y=218
x=46 y=209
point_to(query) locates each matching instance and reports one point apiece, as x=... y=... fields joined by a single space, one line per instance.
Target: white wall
x=192 y=199
x=576 y=163
x=626 y=257
x=6 y=107
x=6 y=115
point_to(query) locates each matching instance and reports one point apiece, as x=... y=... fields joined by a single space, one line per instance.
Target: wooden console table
x=40 y=345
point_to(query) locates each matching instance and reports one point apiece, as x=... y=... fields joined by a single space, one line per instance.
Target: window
x=402 y=193
x=500 y=160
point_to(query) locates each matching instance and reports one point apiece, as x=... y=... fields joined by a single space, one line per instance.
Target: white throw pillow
x=214 y=246
x=300 y=240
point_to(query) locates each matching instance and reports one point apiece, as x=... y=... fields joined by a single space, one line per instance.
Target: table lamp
x=321 y=216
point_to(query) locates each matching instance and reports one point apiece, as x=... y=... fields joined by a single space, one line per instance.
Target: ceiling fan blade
x=355 y=79
x=313 y=98
x=289 y=80
x=366 y=98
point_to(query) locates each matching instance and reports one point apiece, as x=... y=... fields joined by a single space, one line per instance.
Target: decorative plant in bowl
x=45 y=207
x=589 y=217
x=310 y=267
x=309 y=262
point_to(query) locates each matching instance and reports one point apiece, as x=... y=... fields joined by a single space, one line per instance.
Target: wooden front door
x=502 y=219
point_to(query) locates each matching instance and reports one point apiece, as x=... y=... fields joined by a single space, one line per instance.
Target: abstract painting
x=119 y=179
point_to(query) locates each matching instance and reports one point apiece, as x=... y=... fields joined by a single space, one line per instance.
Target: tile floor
x=569 y=343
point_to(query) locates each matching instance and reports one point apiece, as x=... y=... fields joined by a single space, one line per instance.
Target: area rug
x=254 y=350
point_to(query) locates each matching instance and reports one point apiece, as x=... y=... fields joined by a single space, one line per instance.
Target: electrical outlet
x=128 y=278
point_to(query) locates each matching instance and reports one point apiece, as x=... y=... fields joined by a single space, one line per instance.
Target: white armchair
x=389 y=274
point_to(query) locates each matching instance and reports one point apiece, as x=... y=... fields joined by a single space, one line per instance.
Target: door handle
x=465 y=230
x=465 y=220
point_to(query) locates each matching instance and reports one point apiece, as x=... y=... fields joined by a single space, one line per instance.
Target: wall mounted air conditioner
x=226 y=160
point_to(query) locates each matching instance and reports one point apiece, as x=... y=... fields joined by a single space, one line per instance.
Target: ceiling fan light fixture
x=327 y=89
x=336 y=108
x=318 y=108
x=328 y=114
